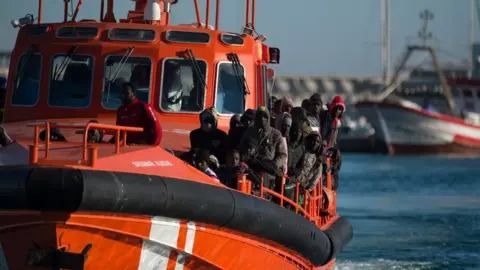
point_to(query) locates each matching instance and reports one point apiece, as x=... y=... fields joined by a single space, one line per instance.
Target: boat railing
x=89 y=153
x=318 y=204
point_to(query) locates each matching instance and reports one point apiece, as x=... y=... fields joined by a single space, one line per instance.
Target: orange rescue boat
x=72 y=204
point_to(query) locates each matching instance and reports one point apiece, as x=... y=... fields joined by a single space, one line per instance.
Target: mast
x=385 y=19
x=471 y=37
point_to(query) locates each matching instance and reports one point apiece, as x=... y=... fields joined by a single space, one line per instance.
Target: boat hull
x=405 y=130
x=131 y=242
x=145 y=222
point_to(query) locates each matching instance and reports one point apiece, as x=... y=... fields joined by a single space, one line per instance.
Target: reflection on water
x=411 y=212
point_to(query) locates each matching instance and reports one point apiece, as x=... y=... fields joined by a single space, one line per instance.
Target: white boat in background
x=356 y=136
x=405 y=127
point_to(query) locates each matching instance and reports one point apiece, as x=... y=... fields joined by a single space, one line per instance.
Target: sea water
x=410 y=212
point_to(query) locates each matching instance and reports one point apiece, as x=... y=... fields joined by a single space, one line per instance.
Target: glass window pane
x=71 y=81
x=230 y=96
x=26 y=89
x=136 y=70
x=182 y=89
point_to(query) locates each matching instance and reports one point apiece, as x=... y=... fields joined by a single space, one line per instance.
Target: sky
x=316 y=37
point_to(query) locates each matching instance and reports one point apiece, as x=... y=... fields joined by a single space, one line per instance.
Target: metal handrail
x=119 y=130
x=313 y=207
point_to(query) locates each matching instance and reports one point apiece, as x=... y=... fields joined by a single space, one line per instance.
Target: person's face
x=287 y=108
x=261 y=120
x=233 y=159
x=314 y=144
x=315 y=107
x=338 y=111
x=202 y=165
x=295 y=135
x=207 y=125
x=247 y=122
x=127 y=95
x=235 y=121
x=286 y=129
x=249 y=153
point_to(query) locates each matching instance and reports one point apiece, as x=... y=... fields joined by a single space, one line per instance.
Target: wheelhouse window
x=26 y=88
x=136 y=70
x=183 y=88
x=230 y=97
x=71 y=79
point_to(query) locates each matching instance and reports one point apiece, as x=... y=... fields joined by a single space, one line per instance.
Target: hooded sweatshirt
x=214 y=140
x=270 y=145
x=332 y=123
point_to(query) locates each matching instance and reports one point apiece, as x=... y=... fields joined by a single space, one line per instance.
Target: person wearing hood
x=299 y=114
x=236 y=131
x=315 y=105
x=254 y=165
x=309 y=170
x=286 y=105
x=296 y=150
x=208 y=136
x=283 y=124
x=269 y=142
x=336 y=109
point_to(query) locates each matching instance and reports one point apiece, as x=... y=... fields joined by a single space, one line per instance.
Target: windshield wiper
x=66 y=61
x=122 y=62
x=197 y=71
x=21 y=69
x=120 y=65
x=237 y=68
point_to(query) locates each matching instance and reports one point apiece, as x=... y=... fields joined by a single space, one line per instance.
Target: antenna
x=424 y=34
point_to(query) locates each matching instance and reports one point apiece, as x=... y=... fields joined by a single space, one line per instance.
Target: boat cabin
x=75 y=68
x=466 y=93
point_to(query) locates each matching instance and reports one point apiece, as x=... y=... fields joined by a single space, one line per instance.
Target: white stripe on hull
x=164 y=234
x=3 y=260
x=409 y=128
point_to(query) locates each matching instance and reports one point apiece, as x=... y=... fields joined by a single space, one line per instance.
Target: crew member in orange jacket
x=135 y=113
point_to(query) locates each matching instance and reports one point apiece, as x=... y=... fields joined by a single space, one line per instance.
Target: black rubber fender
x=70 y=190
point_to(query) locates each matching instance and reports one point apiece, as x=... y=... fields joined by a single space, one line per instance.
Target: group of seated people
x=285 y=141
x=266 y=145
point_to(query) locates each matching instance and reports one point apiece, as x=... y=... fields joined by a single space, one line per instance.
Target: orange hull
x=136 y=242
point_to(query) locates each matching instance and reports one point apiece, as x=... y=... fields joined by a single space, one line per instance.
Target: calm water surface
x=411 y=212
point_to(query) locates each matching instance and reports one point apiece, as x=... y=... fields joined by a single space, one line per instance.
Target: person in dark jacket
x=259 y=165
x=269 y=140
x=235 y=121
x=208 y=136
x=310 y=166
x=136 y=113
x=202 y=163
x=296 y=150
x=233 y=166
x=248 y=118
x=236 y=132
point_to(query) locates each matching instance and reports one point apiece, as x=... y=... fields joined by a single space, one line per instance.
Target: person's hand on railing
x=310 y=187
